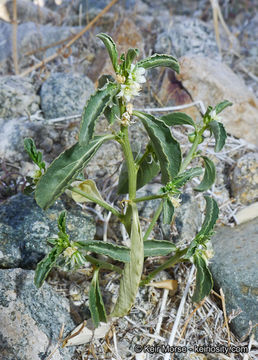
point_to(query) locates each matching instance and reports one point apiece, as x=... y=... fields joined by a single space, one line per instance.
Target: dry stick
x=162 y=308
x=215 y=5
x=225 y=313
x=179 y=312
x=14 y=35
x=66 y=46
x=58 y=343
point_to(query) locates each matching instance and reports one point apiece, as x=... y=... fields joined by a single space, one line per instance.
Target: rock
x=16 y=130
x=30 y=37
x=186 y=36
x=187 y=221
x=248 y=213
x=24 y=228
x=31 y=319
x=212 y=82
x=244 y=179
x=27 y=11
x=65 y=94
x=234 y=268
x=17 y=97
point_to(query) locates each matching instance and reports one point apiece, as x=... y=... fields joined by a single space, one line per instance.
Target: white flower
x=129 y=90
x=175 y=200
x=214 y=115
x=70 y=251
x=132 y=85
x=136 y=74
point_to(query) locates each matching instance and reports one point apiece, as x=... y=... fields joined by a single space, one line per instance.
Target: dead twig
x=14 y=38
x=225 y=313
x=69 y=44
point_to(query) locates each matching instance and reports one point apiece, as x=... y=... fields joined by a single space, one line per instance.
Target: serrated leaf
x=178 y=118
x=105 y=79
x=62 y=221
x=116 y=252
x=89 y=187
x=148 y=169
x=191 y=249
x=221 y=106
x=209 y=175
x=94 y=107
x=34 y=154
x=211 y=216
x=220 y=134
x=168 y=211
x=204 y=282
x=130 y=56
x=159 y=60
x=166 y=148
x=96 y=304
x=187 y=175
x=44 y=266
x=111 y=48
x=158 y=247
x=132 y=271
x=64 y=170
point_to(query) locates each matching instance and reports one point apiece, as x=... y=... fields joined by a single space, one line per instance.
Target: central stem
x=130 y=163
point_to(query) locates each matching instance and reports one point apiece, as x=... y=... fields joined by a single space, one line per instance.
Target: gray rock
x=234 y=268
x=31 y=319
x=65 y=94
x=32 y=36
x=14 y=132
x=27 y=11
x=186 y=35
x=244 y=179
x=24 y=228
x=17 y=97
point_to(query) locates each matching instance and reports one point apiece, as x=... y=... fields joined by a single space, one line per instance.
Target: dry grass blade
x=225 y=313
x=73 y=335
x=68 y=45
x=14 y=38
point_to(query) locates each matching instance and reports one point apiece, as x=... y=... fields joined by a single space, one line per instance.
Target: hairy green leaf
x=130 y=56
x=62 y=221
x=111 y=48
x=116 y=252
x=159 y=60
x=209 y=175
x=204 y=282
x=178 y=118
x=168 y=211
x=44 y=266
x=113 y=113
x=181 y=180
x=211 y=216
x=166 y=148
x=220 y=134
x=94 y=107
x=158 y=247
x=64 y=170
x=34 y=154
x=148 y=169
x=221 y=106
x=96 y=304
x=132 y=271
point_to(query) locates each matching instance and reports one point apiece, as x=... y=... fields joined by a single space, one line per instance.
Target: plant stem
x=103 y=264
x=100 y=202
x=150 y=197
x=130 y=163
x=170 y=262
x=193 y=149
x=153 y=221
x=146 y=153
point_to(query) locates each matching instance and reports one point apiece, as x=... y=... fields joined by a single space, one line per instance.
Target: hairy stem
x=153 y=221
x=103 y=264
x=170 y=262
x=150 y=197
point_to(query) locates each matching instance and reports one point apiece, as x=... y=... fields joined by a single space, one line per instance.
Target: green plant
x=162 y=154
